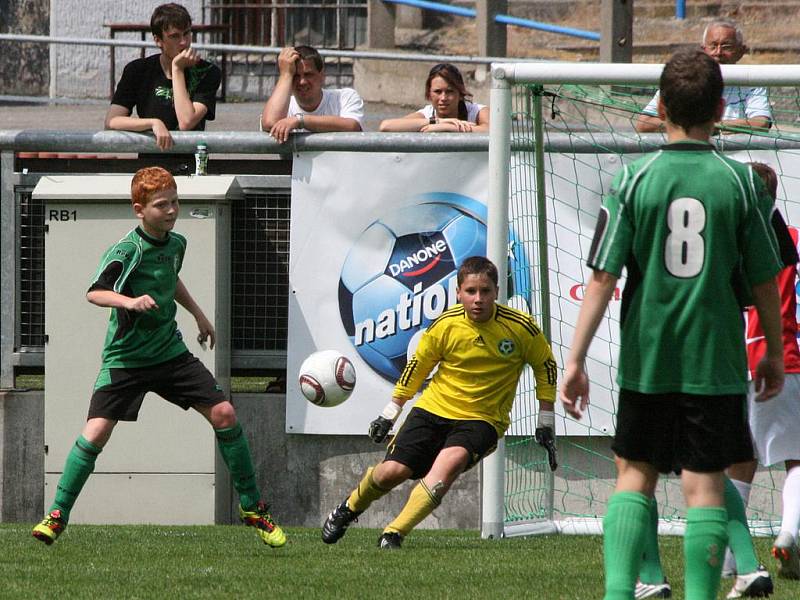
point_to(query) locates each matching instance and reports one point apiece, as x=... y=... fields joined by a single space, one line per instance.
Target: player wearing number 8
x=688 y=224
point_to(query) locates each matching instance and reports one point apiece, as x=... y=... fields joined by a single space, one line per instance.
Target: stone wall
x=83 y=71
x=24 y=68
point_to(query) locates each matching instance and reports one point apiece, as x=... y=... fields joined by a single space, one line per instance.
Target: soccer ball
x=327 y=378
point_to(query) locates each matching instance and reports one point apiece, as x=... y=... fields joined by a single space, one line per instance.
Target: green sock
x=704 y=550
x=236 y=454
x=624 y=530
x=78 y=467
x=739 y=532
x=651 y=571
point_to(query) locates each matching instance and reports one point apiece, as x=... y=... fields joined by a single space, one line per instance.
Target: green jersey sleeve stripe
x=773 y=239
x=629 y=192
x=742 y=192
x=131 y=267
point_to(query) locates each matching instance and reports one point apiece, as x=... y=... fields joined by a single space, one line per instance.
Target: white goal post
x=502 y=143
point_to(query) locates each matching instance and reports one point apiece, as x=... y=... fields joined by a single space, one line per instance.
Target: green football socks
x=236 y=454
x=739 y=532
x=366 y=493
x=651 y=571
x=624 y=531
x=78 y=467
x=704 y=550
x=421 y=502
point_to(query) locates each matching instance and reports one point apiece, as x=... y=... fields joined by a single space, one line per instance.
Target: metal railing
x=251 y=71
x=503 y=19
x=260 y=230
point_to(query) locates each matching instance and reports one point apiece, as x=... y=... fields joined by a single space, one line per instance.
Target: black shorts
x=423 y=435
x=678 y=431
x=183 y=381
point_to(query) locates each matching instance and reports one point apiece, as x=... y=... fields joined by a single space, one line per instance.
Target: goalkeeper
x=480 y=348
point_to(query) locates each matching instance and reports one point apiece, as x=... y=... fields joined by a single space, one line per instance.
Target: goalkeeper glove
x=380 y=427
x=546 y=437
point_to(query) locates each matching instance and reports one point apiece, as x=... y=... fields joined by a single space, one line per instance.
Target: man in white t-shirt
x=298 y=102
x=744 y=106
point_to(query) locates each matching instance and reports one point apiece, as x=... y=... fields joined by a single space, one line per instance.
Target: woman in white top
x=449 y=109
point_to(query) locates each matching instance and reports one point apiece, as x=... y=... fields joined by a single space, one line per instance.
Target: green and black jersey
x=686 y=222
x=139 y=264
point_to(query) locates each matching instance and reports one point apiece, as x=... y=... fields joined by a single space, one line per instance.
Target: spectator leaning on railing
x=299 y=103
x=449 y=108
x=744 y=106
x=174 y=90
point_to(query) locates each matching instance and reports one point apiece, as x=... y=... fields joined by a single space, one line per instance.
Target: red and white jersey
x=756 y=344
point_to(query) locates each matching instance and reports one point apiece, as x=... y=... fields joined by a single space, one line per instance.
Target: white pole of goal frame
x=493 y=466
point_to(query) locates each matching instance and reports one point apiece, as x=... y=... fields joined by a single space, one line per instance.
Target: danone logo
x=422 y=261
x=400 y=275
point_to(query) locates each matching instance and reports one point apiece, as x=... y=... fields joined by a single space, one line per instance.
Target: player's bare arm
x=769 y=372
x=111 y=299
x=204 y=327
x=189 y=113
x=277 y=105
x=575 y=387
x=648 y=124
x=452 y=125
x=411 y=122
x=330 y=123
x=119 y=118
x=752 y=123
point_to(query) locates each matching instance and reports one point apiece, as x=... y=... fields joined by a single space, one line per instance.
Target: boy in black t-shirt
x=174 y=90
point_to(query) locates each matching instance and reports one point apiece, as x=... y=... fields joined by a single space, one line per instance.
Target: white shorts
x=775 y=424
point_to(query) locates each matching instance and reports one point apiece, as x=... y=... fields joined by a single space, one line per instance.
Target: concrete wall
x=304 y=476
x=24 y=68
x=83 y=71
x=384 y=81
x=21 y=456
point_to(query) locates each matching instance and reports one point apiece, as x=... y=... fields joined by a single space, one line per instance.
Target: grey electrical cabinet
x=163 y=468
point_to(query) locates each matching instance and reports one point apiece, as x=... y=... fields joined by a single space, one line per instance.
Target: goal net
x=559 y=133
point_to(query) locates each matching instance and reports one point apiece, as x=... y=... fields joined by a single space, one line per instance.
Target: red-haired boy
x=144 y=352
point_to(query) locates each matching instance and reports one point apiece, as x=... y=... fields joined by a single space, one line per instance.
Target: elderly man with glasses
x=745 y=107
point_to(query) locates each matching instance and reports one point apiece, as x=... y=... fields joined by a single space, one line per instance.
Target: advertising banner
x=376 y=240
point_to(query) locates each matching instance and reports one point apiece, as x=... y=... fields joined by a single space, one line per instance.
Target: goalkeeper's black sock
x=366 y=493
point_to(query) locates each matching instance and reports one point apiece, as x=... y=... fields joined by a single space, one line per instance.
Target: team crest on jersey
x=478 y=341
x=505 y=346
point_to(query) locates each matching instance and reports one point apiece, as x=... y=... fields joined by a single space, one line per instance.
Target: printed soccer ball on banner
x=327 y=378
x=400 y=275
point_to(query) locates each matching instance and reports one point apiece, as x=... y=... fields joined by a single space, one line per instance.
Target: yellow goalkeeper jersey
x=479 y=365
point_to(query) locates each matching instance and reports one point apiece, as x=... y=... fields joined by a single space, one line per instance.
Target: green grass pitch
x=230 y=562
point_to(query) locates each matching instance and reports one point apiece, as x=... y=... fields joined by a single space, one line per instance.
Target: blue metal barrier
x=680 y=9
x=505 y=19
